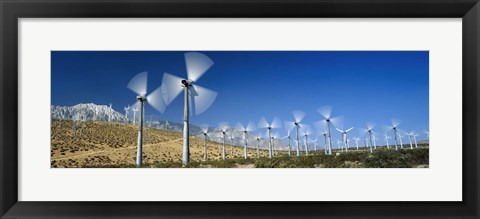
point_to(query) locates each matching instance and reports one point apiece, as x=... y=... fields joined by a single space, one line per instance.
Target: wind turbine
x=410 y=134
x=249 y=128
x=134 y=115
x=325 y=147
x=326 y=112
x=394 y=127
x=315 y=144
x=289 y=139
x=224 y=128
x=374 y=138
x=400 y=136
x=306 y=132
x=138 y=84
x=204 y=128
x=298 y=117
x=386 y=139
x=274 y=136
x=200 y=98
x=344 y=136
x=269 y=126
x=258 y=138
x=127 y=109
x=415 y=139
x=369 y=130
x=356 y=139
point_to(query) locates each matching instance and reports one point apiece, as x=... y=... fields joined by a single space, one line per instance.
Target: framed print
x=205 y=109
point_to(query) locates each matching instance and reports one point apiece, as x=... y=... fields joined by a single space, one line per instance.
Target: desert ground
x=104 y=143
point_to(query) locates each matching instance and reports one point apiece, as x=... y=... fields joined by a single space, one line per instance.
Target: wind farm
x=155 y=129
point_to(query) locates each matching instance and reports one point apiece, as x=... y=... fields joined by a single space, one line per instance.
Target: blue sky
x=362 y=86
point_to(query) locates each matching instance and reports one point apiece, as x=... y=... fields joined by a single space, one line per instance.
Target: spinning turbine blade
x=337 y=121
x=138 y=83
x=155 y=99
x=276 y=123
x=289 y=125
x=203 y=98
x=171 y=87
x=250 y=126
x=325 y=111
x=263 y=123
x=197 y=65
x=395 y=122
x=298 y=115
x=204 y=128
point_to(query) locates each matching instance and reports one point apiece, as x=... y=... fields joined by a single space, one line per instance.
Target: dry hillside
x=105 y=143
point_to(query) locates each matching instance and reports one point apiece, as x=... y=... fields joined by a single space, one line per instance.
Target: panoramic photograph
x=239 y=109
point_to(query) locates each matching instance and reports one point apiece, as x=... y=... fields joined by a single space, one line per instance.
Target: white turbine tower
x=204 y=128
x=386 y=140
x=374 y=138
x=315 y=144
x=400 y=137
x=198 y=97
x=138 y=84
x=245 y=129
x=306 y=132
x=127 y=109
x=223 y=128
x=258 y=139
x=269 y=126
x=344 y=137
x=410 y=135
x=356 y=139
x=298 y=116
x=134 y=115
x=369 y=130
x=274 y=136
x=415 y=139
x=394 y=127
x=289 y=139
x=326 y=112
x=325 y=146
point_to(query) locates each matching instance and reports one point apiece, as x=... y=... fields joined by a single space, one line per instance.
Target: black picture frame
x=12 y=10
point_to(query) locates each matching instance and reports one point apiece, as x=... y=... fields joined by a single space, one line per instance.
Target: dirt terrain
x=105 y=143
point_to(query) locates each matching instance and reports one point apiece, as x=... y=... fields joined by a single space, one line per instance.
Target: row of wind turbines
x=304 y=131
x=198 y=99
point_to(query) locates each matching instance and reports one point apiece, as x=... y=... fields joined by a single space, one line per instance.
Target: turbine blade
x=171 y=87
x=321 y=125
x=203 y=98
x=337 y=121
x=197 y=64
x=155 y=99
x=276 y=123
x=240 y=126
x=298 y=115
x=325 y=111
x=349 y=129
x=138 y=83
x=250 y=126
x=263 y=123
x=339 y=130
x=204 y=128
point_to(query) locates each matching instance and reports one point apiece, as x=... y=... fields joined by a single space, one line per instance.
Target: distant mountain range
x=93 y=112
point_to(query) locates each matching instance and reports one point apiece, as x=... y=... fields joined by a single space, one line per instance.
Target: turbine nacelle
x=187 y=83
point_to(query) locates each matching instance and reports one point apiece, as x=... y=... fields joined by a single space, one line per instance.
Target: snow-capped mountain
x=88 y=111
x=93 y=112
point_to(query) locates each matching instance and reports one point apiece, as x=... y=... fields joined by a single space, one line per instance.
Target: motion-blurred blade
x=197 y=64
x=171 y=87
x=396 y=122
x=203 y=98
x=223 y=126
x=339 y=130
x=298 y=115
x=263 y=123
x=250 y=126
x=325 y=111
x=276 y=123
x=138 y=83
x=240 y=126
x=337 y=121
x=204 y=128
x=370 y=125
x=155 y=99
x=321 y=125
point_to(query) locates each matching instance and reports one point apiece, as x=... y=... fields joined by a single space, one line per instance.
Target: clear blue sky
x=369 y=86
